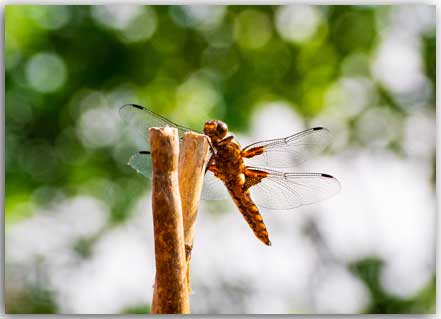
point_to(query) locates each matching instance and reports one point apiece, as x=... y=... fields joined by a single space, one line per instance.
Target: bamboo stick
x=171 y=291
x=192 y=162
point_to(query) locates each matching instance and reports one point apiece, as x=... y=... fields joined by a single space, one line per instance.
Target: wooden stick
x=192 y=162
x=171 y=291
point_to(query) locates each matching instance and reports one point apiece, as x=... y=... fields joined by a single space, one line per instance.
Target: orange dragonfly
x=246 y=174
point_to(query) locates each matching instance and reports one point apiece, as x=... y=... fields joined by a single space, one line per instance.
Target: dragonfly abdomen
x=251 y=213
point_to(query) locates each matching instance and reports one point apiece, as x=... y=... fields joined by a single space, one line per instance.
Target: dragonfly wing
x=140 y=119
x=289 y=151
x=142 y=163
x=213 y=188
x=279 y=191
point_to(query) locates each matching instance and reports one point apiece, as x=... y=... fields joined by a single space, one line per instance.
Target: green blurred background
x=366 y=72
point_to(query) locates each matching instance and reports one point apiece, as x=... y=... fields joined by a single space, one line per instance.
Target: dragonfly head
x=215 y=130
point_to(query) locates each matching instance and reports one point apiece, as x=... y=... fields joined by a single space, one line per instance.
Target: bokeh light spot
x=350 y=95
x=97 y=127
x=252 y=29
x=142 y=27
x=133 y=23
x=202 y=17
x=50 y=17
x=115 y=16
x=46 y=72
x=398 y=66
x=297 y=23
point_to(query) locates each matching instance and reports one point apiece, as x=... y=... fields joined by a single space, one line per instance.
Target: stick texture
x=171 y=292
x=192 y=162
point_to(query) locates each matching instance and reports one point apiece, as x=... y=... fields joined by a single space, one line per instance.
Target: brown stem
x=171 y=292
x=192 y=161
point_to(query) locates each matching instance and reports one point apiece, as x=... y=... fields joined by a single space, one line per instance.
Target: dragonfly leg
x=252 y=152
x=210 y=165
x=253 y=177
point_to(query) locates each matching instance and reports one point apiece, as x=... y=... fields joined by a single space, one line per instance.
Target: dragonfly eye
x=222 y=129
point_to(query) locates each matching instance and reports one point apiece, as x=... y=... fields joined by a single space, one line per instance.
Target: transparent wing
x=140 y=119
x=277 y=191
x=280 y=191
x=289 y=151
x=213 y=188
x=142 y=163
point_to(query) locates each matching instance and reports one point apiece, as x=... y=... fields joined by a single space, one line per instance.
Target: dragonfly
x=253 y=176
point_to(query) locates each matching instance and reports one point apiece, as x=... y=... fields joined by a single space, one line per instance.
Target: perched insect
x=247 y=172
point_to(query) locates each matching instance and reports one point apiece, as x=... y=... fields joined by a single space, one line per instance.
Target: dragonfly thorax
x=216 y=130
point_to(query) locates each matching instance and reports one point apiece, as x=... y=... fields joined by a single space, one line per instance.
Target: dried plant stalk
x=171 y=291
x=192 y=162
